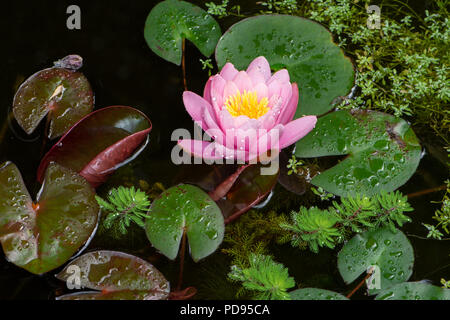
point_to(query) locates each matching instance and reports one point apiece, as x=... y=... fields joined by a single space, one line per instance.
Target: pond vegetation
x=360 y=116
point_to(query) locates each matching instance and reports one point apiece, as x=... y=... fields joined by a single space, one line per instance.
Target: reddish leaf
x=118 y=276
x=59 y=92
x=100 y=143
x=249 y=189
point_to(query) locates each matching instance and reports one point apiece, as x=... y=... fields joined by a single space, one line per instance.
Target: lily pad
x=100 y=143
x=303 y=47
x=249 y=189
x=119 y=276
x=390 y=254
x=414 y=291
x=185 y=209
x=41 y=236
x=171 y=21
x=315 y=294
x=64 y=95
x=383 y=152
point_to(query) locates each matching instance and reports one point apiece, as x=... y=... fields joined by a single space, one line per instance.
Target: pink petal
x=261 y=90
x=262 y=65
x=297 y=129
x=281 y=76
x=207 y=90
x=228 y=71
x=217 y=86
x=274 y=88
x=196 y=106
x=230 y=90
x=269 y=140
x=256 y=76
x=289 y=111
x=199 y=149
x=243 y=82
x=226 y=120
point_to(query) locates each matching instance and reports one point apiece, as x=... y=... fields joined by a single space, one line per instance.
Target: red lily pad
x=64 y=95
x=100 y=143
x=42 y=236
x=249 y=189
x=117 y=276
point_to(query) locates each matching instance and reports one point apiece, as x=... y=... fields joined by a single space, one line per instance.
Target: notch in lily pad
x=116 y=276
x=41 y=236
x=172 y=21
x=185 y=211
x=100 y=143
x=61 y=93
x=382 y=152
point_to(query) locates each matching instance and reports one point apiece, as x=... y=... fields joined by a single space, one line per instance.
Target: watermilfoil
x=246 y=113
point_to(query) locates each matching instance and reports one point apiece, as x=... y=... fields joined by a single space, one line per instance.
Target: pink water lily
x=246 y=113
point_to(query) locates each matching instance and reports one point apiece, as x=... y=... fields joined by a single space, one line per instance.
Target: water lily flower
x=246 y=113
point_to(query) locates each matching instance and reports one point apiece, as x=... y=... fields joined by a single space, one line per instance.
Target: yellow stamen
x=247 y=104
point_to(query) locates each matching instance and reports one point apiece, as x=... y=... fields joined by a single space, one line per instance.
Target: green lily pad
x=42 y=236
x=390 y=254
x=63 y=95
x=315 y=294
x=171 y=21
x=180 y=209
x=383 y=152
x=303 y=47
x=119 y=276
x=414 y=291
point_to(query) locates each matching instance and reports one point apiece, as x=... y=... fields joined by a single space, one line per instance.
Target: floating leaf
x=383 y=152
x=302 y=46
x=100 y=143
x=414 y=291
x=171 y=21
x=119 y=276
x=315 y=294
x=185 y=209
x=249 y=189
x=41 y=237
x=390 y=254
x=63 y=94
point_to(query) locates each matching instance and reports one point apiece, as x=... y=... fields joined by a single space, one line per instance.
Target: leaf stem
x=222 y=189
x=426 y=191
x=183 y=62
x=360 y=284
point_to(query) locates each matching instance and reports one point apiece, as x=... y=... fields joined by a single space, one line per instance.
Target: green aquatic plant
x=268 y=278
x=252 y=233
x=124 y=206
x=442 y=216
x=328 y=227
x=315 y=226
x=294 y=165
x=323 y=195
x=276 y=6
x=403 y=65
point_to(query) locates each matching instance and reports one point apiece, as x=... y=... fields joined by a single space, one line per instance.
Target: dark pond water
x=123 y=71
